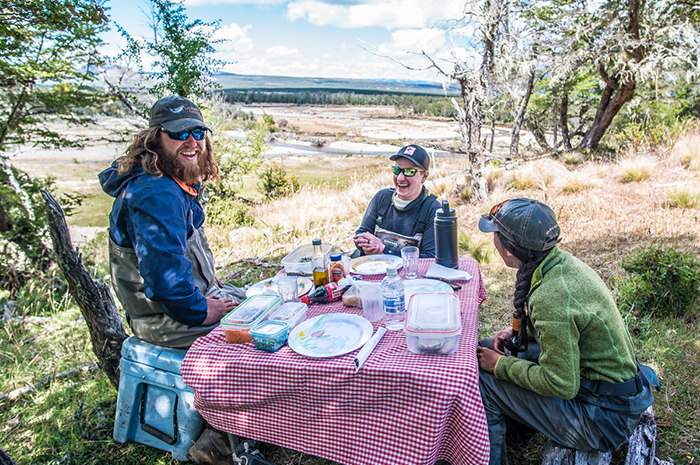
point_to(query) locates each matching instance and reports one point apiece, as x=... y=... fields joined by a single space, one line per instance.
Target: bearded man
x=161 y=265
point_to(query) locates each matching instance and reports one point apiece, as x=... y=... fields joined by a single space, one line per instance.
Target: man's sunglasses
x=197 y=133
x=408 y=172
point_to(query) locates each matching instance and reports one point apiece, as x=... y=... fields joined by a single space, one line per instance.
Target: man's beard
x=189 y=173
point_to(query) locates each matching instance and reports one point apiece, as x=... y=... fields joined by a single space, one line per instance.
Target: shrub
x=662 y=281
x=521 y=182
x=636 y=169
x=274 y=182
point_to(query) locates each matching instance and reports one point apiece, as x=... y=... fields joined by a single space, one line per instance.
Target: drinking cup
x=287 y=288
x=372 y=303
x=409 y=255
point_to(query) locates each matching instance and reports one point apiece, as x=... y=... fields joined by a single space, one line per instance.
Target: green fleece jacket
x=581 y=333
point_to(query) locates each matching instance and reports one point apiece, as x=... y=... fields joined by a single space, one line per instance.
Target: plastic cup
x=409 y=255
x=372 y=303
x=287 y=288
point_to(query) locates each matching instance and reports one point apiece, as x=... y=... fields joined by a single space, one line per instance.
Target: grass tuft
x=637 y=169
x=481 y=250
x=684 y=198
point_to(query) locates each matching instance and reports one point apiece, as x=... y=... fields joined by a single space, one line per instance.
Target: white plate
x=433 y=286
x=330 y=335
x=374 y=264
x=269 y=286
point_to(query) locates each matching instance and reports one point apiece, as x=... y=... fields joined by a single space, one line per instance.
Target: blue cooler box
x=154 y=406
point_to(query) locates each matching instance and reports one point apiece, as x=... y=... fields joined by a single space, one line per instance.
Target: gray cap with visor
x=527 y=223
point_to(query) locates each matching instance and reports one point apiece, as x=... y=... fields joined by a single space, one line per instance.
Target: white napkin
x=439 y=271
x=368 y=348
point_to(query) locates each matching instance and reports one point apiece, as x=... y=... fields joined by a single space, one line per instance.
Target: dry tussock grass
x=686 y=150
x=600 y=223
x=636 y=168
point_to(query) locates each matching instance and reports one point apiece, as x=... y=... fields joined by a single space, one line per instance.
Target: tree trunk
x=641 y=449
x=539 y=137
x=521 y=115
x=611 y=103
x=555 y=117
x=94 y=299
x=564 y=119
x=470 y=127
x=557 y=455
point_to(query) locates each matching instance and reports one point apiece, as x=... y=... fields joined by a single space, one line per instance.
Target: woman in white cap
x=403 y=215
x=570 y=372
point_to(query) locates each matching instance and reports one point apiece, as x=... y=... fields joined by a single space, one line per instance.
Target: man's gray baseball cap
x=176 y=114
x=416 y=154
x=527 y=223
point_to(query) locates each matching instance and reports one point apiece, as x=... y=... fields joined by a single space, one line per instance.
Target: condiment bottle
x=337 y=269
x=511 y=343
x=318 y=263
x=324 y=294
x=446 y=236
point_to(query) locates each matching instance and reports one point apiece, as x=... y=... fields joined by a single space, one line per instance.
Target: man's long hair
x=145 y=150
x=529 y=261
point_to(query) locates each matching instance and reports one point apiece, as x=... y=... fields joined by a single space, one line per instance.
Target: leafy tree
x=48 y=61
x=621 y=43
x=182 y=48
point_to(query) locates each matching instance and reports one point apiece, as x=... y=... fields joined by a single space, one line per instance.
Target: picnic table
x=398 y=408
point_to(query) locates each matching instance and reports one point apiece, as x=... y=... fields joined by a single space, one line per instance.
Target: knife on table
x=454 y=286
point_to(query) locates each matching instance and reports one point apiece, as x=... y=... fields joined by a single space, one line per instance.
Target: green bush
x=661 y=282
x=274 y=182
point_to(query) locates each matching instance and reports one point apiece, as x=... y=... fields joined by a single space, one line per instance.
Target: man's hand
x=369 y=243
x=217 y=308
x=487 y=358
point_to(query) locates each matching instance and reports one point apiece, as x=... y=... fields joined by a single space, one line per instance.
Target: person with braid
x=572 y=375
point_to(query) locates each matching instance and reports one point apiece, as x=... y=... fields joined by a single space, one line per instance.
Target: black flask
x=446 y=236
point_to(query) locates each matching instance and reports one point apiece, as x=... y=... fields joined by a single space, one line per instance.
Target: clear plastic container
x=270 y=335
x=298 y=262
x=433 y=324
x=291 y=313
x=248 y=314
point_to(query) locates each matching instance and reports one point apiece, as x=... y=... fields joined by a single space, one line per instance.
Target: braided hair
x=529 y=261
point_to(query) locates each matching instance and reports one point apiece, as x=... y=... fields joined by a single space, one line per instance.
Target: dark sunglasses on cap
x=491 y=215
x=197 y=133
x=408 y=172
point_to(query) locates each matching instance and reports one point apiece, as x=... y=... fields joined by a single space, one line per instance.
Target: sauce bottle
x=337 y=269
x=318 y=263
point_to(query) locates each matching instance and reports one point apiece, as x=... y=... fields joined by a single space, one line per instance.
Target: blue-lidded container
x=270 y=335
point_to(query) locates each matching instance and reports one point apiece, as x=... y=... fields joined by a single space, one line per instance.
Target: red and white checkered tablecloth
x=399 y=408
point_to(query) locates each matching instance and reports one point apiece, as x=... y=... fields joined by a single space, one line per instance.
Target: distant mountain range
x=245 y=82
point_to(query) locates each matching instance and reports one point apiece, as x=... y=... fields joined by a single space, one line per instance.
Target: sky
x=359 y=39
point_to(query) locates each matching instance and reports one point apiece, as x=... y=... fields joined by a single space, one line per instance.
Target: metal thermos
x=446 y=236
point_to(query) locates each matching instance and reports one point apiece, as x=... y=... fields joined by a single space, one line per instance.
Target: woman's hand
x=487 y=358
x=369 y=243
x=499 y=340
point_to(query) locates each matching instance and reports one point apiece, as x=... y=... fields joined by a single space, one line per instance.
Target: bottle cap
x=316 y=242
x=446 y=211
x=391 y=270
x=336 y=257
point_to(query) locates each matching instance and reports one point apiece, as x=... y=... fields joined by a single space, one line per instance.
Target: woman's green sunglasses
x=408 y=172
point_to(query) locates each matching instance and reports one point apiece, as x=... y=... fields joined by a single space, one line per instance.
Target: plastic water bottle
x=394 y=300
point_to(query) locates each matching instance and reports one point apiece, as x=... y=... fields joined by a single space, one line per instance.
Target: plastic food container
x=291 y=313
x=298 y=262
x=238 y=323
x=433 y=323
x=270 y=335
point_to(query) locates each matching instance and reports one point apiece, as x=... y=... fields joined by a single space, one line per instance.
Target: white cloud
x=232 y=2
x=235 y=38
x=390 y=14
x=281 y=51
